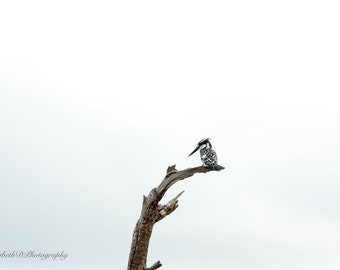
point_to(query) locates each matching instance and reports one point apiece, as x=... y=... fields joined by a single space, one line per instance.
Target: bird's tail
x=216 y=167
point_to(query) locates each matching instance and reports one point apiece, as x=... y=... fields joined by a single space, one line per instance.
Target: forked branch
x=153 y=211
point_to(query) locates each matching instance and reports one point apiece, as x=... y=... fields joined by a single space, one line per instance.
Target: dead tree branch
x=153 y=211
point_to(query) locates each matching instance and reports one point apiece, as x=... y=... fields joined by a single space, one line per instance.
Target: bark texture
x=153 y=211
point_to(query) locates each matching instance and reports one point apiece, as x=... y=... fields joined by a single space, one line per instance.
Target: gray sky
x=98 y=98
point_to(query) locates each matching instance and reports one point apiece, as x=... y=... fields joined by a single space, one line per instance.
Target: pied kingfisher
x=208 y=156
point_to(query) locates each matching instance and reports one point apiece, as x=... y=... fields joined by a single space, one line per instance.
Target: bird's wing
x=213 y=156
x=210 y=157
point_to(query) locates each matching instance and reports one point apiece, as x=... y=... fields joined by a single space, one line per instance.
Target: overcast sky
x=97 y=98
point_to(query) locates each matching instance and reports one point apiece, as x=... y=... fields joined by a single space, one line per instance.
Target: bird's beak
x=194 y=150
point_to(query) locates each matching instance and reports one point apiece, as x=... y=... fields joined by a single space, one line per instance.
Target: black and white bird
x=208 y=156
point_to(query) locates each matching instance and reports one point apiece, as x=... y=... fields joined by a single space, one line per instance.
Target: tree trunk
x=152 y=212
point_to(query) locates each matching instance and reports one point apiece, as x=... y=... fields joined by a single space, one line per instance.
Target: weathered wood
x=153 y=211
x=154 y=266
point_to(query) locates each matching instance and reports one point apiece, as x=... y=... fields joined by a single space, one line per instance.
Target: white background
x=97 y=98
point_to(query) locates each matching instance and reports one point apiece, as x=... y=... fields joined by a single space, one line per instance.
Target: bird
x=208 y=155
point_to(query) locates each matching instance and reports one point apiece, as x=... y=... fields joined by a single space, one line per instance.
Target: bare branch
x=164 y=210
x=153 y=211
x=154 y=266
x=173 y=176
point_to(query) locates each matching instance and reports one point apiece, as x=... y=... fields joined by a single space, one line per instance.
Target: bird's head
x=202 y=144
